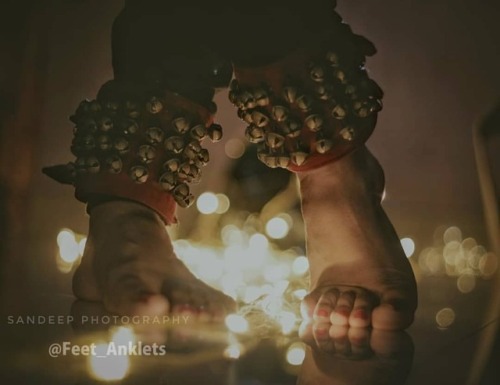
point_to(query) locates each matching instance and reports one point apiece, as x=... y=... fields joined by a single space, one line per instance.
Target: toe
x=359 y=339
x=325 y=305
x=340 y=338
x=361 y=311
x=322 y=336
x=342 y=311
x=308 y=305
x=393 y=313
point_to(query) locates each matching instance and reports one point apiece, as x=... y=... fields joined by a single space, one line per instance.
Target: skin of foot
x=359 y=273
x=130 y=266
x=346 y=355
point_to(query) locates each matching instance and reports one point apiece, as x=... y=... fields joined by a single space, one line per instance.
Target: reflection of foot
x=359 y=272
x=130 y=265
x=343 y=355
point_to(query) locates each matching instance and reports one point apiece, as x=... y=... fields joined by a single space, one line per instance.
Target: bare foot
x=129 y=264
x=343 y=355
x=360 y=275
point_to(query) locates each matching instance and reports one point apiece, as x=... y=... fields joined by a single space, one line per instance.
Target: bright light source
x=445 y=317
x=277 y=228
x=300 y=266
x=64 y=237
x=232 y=352
x=408 y=246
x=295 y=354
x=287 y=321
x=123 y=336
x=300 y=294
x=236 y=323
x=258 y=242
x=207 y=203
x=106 y=367
x=223 y=204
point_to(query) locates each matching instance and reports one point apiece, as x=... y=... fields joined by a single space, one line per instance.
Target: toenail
x=343 y=310
x=323 y=313
x=360 y=313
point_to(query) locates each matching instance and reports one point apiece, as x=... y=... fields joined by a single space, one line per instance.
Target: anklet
x=140 y=145
x=310 y=109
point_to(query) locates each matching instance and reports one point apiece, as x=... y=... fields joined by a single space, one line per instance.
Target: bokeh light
x=234 y=148
x=296 y=353
x=408 y=246
x=277 y=228
x=207 y=203
x=300 y=265
x=106 y=367
x=445 y=317
x=236 y=323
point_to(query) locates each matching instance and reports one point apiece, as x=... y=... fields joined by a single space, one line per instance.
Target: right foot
x=129 y=264
x=360 y=275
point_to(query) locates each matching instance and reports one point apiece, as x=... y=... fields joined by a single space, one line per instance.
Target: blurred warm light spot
x=252 y=293
x=123 y=336
x=234 y=148
x=277 y=228
x=223 y=204
x=71 y=247
x=81 y=245
x=296 y=353
x=108 y=368
x=300 y=265
x=384 y=195
x=408 y=246
x=452 y=233
x=258 y=242
x=207 y=203
x=466 y=283
x=488 y=264
x=233 y=352
x=275 y=273
x=236 y=323
x=300 y=293
x=445 y=317
x=287 y=320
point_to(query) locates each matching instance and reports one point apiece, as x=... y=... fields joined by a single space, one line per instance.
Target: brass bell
x=340 y=75
x=339 y=112
x=146 y=153
x=105 y=124
x=139 y=174
x=113 y=164
x=245 y=115
x=234 y=85
x=154 y=105
x=314 y=122
x=292 y=128
x=274 y=140
x=155 y=135
x=185 y=202
x=261 y=97
x=348 y=133
x=350 y=89
x=270 y=161
x=172 y=165
x=317 y=73
x=262 y=151
x=204 y=157
x=280 y=113
x=198 y=132
x=233 y=97
x=332 y=58
x=121 y=145
x=88 y=125
x=299 y=157
x=132 y=109
x=283 y=161
x=259 y=118
x=130 y=127
x=195 y=174
x=112 y=107
x=88 y=142
x=92 y=165
x=375 y=105
x=215 y=132
x=181 y=124
x=290 y=94
x=94 y=106
x=181 y=191
x=247 y=100
x=254 y=134
x=174 y=144
x=323 y=146
x=168 y=181
x=323 y=92
x=104 y=142
x=184 y=171
x=304 y=102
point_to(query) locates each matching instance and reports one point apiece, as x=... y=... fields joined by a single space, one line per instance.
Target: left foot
x=360 y=275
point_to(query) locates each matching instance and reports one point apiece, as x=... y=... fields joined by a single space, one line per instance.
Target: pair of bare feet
x=360 y=275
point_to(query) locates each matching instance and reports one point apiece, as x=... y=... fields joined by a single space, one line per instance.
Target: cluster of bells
x=277 y=120
x=107 y=132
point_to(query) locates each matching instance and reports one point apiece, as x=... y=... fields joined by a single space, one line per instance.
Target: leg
x=359 y=272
